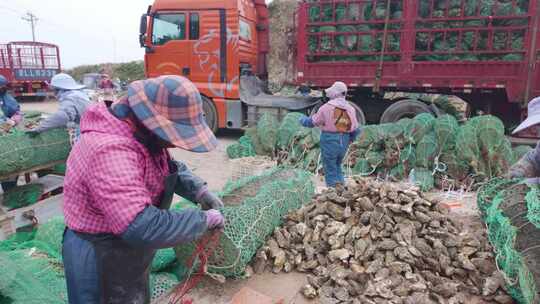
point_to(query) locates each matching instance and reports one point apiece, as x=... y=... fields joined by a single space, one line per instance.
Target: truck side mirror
x=142 y=30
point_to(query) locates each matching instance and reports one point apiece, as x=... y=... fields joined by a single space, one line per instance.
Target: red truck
x=484 y=51
x=29 y=66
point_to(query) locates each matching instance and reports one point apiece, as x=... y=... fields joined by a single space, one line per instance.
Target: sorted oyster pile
x=381 y=243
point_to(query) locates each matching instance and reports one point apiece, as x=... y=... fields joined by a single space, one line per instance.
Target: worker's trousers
x=81 y=269
x=333 y=149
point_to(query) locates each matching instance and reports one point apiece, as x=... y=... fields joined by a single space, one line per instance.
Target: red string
x=205 y=247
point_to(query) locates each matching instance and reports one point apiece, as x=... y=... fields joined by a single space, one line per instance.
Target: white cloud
x=87 y=32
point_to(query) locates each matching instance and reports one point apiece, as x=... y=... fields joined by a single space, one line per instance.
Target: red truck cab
x=29 y=67
x=210 y=42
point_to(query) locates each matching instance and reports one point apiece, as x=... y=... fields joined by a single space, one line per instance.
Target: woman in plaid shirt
x=119 y=185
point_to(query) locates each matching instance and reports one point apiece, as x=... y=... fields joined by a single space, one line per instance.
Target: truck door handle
x=186 y=71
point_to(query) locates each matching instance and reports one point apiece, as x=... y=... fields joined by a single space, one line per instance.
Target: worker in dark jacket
x=10 y=117
x=529 y=165
x=339 y=125
x=119 y=184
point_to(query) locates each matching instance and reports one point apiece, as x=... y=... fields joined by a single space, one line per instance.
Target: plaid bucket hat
x=171 y=107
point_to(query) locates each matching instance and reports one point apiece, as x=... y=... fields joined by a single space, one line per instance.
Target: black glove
x=32 y=133
x=210 y=201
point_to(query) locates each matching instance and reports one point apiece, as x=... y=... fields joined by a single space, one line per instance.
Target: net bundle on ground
x=509 y=208
x=31 y=269
x=254 y=207
x=294 y=145
x=437 y=150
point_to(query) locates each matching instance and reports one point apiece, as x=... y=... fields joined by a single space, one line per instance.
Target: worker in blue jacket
x=10 y=116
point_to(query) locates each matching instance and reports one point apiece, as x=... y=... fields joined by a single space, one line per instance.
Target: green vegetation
x=128 y=71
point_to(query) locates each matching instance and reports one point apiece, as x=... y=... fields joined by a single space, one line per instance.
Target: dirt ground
x=216 y=169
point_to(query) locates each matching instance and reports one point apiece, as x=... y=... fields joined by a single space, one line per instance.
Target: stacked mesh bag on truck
x=254 y=207
x=344 y=37
x=361 y=19
x=511 y=210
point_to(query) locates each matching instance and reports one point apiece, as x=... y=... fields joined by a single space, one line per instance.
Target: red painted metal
x=29 y=66
x=408 y=72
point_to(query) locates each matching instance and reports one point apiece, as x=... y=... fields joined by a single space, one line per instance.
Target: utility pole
x=33 y=20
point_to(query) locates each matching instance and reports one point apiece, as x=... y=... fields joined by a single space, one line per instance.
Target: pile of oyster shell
x=377 y=242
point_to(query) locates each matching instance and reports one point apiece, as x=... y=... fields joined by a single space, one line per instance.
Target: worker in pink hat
x=339 y=125
x=120 y=182
x=529 y=165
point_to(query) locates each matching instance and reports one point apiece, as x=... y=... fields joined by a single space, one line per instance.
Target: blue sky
x=87 y=32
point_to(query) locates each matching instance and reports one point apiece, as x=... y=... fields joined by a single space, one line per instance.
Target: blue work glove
x=214 y=220
x=306 y=122
x=209 y=200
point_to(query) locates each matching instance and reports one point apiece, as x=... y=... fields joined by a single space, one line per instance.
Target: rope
x=205 y=248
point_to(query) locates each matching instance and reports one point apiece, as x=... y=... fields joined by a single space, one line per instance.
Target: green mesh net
x=28 y=276
x=369 y=137
x=267 y=131
x=161 y=284
x=22 y=196
x=49 y=237
x=423 y=178
x=21 y=152
x=520 y=151
x=445 y=127
x=243 y=148
x=254 y=206
x=419 y=127
x=59 y=169
x=289 y=129
x=509 y=210
x=164 y=258
x=427 y=150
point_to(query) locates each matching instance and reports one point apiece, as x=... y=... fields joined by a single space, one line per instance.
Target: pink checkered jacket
x=110 y=177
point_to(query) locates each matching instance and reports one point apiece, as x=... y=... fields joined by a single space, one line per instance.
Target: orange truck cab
x=222 y=47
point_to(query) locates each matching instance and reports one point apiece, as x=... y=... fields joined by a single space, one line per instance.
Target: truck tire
x=359 y=113
x=210 y=113
x=407 y=108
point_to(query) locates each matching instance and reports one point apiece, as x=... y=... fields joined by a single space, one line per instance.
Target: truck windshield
x=168 y=27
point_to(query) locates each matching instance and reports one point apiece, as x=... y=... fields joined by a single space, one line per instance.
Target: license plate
x=36 y=86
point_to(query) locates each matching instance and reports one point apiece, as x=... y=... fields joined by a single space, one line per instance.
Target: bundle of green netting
x=359 y=30
x=19 y=151
x=22 y=196
x=254 y=207
x=293 y=145
x=431 y=151
x=511 y=211
x=31 y=269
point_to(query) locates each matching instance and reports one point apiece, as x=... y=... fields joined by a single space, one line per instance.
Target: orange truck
x=216 y=44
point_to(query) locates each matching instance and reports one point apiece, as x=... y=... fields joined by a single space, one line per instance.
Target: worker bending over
x=529 y=165
x=11 y=110
x=119 y=183
x=73 y=103
x=339 y=125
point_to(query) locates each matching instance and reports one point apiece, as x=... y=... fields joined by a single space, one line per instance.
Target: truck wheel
x=210 y=113
x=407 y=108
x=359 y=113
